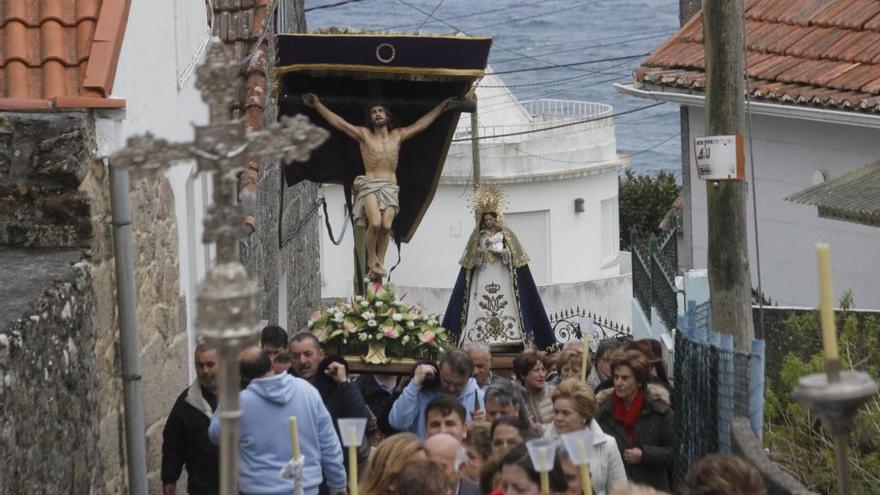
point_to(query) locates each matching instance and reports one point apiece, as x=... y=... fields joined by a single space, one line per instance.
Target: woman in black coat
x=639 y=416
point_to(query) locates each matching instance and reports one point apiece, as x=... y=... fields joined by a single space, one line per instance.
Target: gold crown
x=488 y=198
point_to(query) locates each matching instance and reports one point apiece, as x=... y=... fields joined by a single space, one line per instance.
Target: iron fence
x=653 y=273
x=568 y=327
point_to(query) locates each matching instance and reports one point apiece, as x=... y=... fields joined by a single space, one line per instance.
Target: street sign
x=720 y=157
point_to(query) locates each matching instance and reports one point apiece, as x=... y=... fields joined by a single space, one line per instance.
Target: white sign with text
x=720 y=157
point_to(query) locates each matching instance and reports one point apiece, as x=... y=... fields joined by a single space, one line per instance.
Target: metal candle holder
x=836 y=402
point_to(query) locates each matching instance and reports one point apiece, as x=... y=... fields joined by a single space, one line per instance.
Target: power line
x=572 y=64
x=513 y=21
x=651 y=148
x=331 y=5
x=591 y=47
x=474 y=14
x=560 y=126
x=429 y=15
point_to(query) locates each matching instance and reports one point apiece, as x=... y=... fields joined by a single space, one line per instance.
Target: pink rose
x=427 y=337
x=349 y=326
x=319 y=332
x=390 y=331
x=315 y=315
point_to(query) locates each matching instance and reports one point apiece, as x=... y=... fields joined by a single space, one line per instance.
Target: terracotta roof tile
x=60 y=53
x=805 y=52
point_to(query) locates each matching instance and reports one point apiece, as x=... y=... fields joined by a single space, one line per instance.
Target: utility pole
x=730 y=280
x=475 y=141
x=291 y=16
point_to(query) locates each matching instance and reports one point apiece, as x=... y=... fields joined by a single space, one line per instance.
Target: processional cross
x=226 y=302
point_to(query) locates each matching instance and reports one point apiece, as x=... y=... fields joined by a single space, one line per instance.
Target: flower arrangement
x=379 y=317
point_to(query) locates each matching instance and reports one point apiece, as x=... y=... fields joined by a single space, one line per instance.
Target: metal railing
x=546 y=113
x=567 y=327
x=654 y=272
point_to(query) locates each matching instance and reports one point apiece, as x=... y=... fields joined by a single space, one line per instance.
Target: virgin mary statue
x=495 y=300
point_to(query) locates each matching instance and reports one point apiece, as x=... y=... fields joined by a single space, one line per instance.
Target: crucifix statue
x=376 y=192
x=226 y=300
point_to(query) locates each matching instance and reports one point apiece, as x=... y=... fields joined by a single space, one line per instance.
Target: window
x=533 y=231
x=610 y=230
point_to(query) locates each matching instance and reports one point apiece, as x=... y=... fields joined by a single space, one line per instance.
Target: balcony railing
x=547 y=113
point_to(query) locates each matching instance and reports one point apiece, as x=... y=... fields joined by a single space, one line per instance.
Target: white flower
x=405 y=339
x=432 y=322
x=410 y=324
x=338 y=318
x=362 y=337
x=397 y=317
x=339 y=314
x=367 y=315
x=310 y=323
x=397 y=302
x=371 y=323
x=379 y=304
x=365 y=303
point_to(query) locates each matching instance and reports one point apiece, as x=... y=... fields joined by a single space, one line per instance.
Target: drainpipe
x=132 y=384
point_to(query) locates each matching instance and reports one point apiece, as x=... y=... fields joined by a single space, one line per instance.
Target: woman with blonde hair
x=574 y=407
x=387 y=461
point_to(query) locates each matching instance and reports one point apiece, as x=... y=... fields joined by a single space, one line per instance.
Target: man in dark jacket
x=329 y=374
x=380 y=392
x=185 y=437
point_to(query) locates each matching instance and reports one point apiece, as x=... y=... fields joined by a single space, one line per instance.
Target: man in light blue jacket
x=264 y=441
x=456 y=367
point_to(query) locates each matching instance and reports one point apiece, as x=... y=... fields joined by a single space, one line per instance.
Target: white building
x=562 y=190
x=814 y=118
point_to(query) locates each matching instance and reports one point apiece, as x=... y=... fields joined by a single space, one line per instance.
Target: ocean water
x=547 y=32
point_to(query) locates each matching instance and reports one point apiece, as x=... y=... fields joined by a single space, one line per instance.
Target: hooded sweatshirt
x=408 y=411
x=264 y=443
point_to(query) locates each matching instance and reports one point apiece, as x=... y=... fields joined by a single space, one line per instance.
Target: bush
x=644 y=201
x=794 y=436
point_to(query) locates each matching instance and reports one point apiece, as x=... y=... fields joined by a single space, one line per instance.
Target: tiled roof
x=853 y=197
x=60 y=53
x=823 y=53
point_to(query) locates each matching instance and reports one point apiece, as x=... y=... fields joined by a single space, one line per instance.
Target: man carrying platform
x=376 y=192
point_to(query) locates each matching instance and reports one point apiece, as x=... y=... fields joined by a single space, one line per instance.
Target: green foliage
x=644 y=201
x=795 y=437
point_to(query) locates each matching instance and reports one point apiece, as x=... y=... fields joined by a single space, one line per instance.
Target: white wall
x=163 y=42
x=787 y=153
x=431 y=258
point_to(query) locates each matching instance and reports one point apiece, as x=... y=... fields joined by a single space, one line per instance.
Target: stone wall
x=60 y=350
x=48 y=428
x=160 y=315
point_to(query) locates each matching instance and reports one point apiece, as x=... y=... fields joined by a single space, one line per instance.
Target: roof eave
x=697 y=99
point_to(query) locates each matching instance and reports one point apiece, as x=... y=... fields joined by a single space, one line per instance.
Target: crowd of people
x=450 y=428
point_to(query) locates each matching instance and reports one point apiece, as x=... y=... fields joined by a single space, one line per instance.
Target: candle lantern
x=542 y=452
x=579 y=445
x=352 y=432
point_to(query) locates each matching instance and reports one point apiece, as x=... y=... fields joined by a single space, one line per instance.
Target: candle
x=294 y=438
x=826 y=306
x=352 y=461
x=584 y=362
x=586 y=481
x=545 y=477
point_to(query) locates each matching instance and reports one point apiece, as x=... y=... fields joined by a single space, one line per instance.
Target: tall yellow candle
x=545 y=476
x=352 y=462
x=584 y=366
x=294 y=438
x=586 y=480
x=826 y=302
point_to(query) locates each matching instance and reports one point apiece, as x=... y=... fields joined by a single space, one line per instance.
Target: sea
x=542 y=33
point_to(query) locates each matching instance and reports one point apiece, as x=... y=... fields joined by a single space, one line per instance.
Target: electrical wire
x=530 y=18
x=754 y=178
x=473 y=14
x=331 y=5
x=560 y=126
x=429 y=15
x=591 y=47
x=630 y=155
x=572 y=64
x=254 y=49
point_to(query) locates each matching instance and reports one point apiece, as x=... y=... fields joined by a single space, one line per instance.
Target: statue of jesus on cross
x=376 y=192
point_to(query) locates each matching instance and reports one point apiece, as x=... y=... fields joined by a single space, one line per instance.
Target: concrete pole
x=686 y=10
x=730 y=281
x=129 y=342
x=475 y=141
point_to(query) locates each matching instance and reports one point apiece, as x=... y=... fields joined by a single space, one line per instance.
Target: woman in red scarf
x=639 y=415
